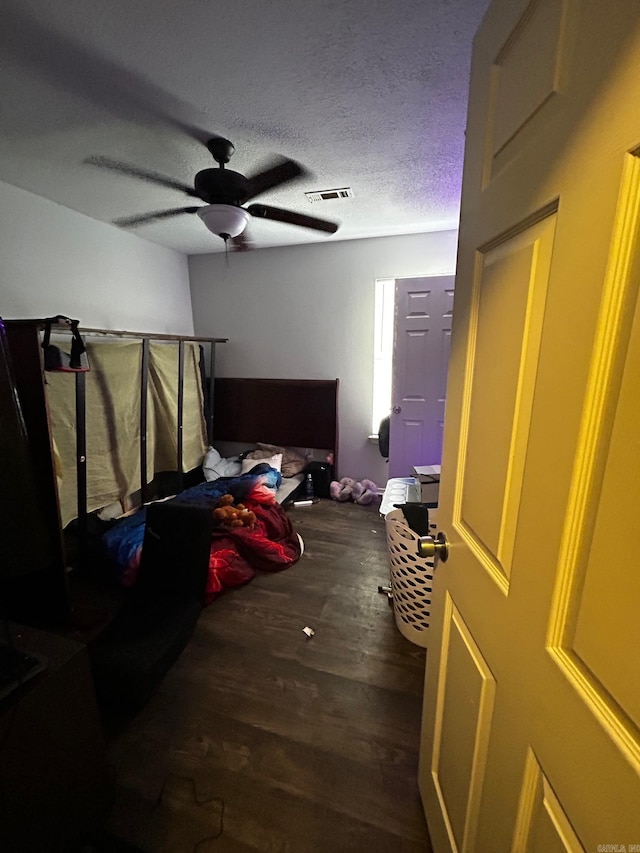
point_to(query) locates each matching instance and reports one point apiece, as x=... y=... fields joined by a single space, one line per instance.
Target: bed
x=299 y=413
x=295 y=415
x=253 y=418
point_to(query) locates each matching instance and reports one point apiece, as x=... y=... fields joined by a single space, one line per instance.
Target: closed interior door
x=422 y=334
x=531 y=726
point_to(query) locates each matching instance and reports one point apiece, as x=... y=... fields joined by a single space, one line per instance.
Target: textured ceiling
x=365 y=93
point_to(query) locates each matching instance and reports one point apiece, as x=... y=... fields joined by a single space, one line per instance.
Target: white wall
x=307 y=312
x=56 y=261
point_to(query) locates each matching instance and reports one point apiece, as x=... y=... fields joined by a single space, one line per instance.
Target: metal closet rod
x=151 y=336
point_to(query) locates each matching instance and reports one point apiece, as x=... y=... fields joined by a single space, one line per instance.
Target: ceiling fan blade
x=193 y=131
x=69 y=64
x=142 y=174
x=130 y=221
x=265 y=211
x=280 y=173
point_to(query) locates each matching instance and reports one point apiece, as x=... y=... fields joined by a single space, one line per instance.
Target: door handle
x=437 y=548
x=396 y=410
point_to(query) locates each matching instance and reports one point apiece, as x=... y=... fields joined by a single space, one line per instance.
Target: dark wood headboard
x=288 y=412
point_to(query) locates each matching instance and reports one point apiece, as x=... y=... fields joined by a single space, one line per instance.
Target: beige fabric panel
x=163 y=407
x=113 y=420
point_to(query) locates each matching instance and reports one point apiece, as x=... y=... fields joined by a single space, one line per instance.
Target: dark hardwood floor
x=261 y=739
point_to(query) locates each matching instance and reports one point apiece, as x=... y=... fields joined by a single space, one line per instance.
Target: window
x=382 y=350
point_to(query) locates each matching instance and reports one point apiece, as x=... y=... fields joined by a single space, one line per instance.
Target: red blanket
x=270 y=545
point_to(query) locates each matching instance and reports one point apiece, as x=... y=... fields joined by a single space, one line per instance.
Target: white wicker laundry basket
x=411 y=579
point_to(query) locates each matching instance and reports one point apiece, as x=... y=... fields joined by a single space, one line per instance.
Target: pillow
x=211 y=459
x=275 y=462
x=215 y=466
x=292 y=462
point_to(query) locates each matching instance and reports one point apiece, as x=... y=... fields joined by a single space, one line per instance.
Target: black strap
x=58 y=320
x=77 y=344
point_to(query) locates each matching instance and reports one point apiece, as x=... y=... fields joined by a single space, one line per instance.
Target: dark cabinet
x=54 y=780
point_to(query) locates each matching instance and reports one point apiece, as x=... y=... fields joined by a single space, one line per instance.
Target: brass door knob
x=437 y=548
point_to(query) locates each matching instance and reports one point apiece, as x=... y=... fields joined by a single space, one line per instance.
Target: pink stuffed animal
x=365 y=492
x=341 y=490
x=347 y=489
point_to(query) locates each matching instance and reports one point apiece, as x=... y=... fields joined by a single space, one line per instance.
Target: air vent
x=330 y=195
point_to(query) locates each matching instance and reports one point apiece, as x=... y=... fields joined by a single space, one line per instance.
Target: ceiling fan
x=224 y=193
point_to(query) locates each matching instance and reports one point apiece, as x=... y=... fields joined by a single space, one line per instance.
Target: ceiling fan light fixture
x=224 y=219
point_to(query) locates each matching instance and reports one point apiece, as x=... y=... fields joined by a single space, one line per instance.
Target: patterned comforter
x=271 y=544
